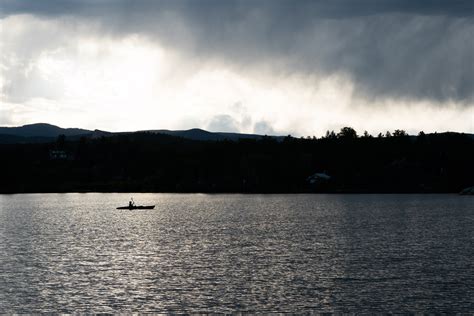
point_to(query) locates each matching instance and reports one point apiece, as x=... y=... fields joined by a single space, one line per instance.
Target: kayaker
x=131 y=203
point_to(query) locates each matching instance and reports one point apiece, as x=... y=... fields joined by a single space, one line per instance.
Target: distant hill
x=200 y=134
x=42 y=132
x=38 y=133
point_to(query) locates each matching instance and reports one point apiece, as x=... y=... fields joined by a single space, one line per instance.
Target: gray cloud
x=21 y=86
x=223 y=123
x=263 y=128
x=390 y=49
x=5 y=117
x=206 y=8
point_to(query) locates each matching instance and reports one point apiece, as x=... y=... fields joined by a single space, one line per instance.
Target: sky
x=273 y=67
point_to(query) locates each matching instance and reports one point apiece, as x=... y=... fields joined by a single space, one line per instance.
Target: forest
x=342 y=162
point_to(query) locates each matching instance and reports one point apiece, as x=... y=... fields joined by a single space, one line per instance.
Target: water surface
x=221 y=253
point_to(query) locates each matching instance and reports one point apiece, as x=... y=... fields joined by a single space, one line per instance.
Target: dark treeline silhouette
x=148 y=162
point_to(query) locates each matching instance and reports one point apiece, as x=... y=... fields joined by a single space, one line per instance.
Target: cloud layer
x=415 y=50
x=262 y=66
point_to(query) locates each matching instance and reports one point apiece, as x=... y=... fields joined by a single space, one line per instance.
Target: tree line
x=146 y=162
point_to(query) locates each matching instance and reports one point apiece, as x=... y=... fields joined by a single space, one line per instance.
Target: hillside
x=156 y=162
x=43 y=133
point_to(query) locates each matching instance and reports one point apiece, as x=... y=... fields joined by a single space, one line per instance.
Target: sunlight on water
x=221 y=253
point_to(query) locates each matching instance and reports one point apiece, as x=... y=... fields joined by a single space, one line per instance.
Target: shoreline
x=237 y=193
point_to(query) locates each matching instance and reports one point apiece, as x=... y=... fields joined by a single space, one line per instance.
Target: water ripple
x=224 y=253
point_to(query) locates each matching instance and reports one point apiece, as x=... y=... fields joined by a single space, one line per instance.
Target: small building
x=467 y=191
x=319 y=182
x=318 y=178
x=58 y=155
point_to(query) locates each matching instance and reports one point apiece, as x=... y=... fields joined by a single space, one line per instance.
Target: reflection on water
x=221 y=253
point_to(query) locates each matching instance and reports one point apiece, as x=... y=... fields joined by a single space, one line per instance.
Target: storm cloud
x=411 y=50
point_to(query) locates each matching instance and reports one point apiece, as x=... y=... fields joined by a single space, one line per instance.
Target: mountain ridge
x=44 y=132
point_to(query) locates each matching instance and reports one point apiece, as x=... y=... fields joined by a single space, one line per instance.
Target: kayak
x=136 y=207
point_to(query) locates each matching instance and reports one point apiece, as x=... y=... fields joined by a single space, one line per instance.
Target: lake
x=250 y=253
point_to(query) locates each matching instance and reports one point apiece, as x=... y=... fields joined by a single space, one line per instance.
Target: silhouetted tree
x=421 y=139
x=330 y=135
x=399 y=133
x=347 y=133
x=366 y=135
x=60 y=141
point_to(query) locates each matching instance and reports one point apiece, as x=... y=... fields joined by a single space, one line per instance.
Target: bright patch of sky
x=56 y=72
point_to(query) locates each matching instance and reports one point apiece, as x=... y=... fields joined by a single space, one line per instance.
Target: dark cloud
x=389 y=48
x=239 y=8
